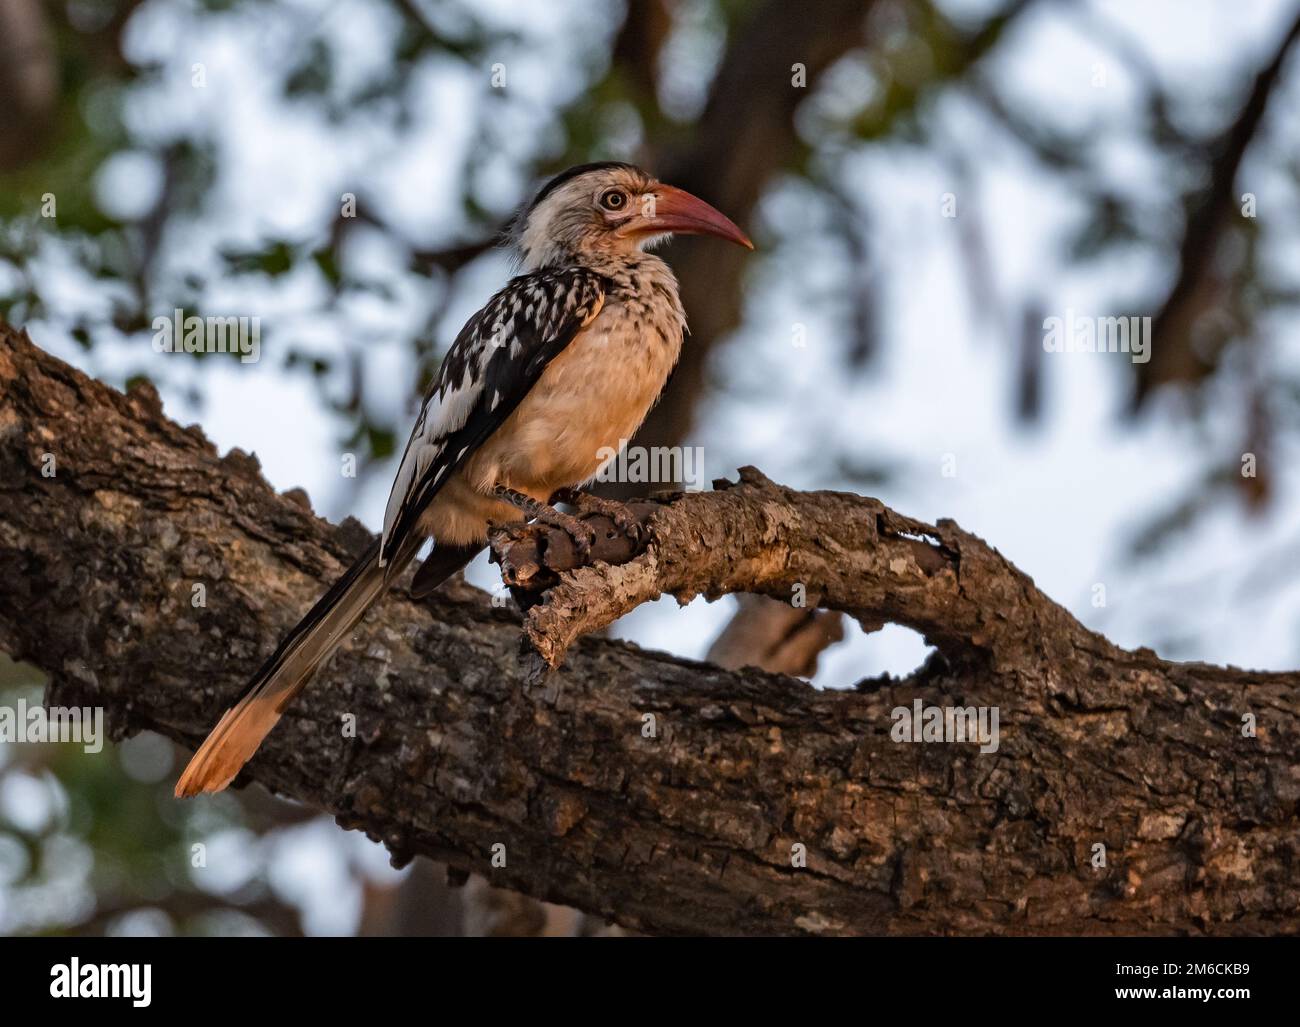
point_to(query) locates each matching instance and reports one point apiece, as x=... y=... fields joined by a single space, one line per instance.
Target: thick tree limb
x=689 y=827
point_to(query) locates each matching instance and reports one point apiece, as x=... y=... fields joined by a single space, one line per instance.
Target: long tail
x=239 y=733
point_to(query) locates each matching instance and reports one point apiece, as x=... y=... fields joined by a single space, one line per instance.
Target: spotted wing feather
x=496 y=359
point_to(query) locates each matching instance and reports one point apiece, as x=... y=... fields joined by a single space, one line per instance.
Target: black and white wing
x=496 y=359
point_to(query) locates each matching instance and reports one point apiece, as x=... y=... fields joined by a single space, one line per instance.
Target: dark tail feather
x=239 y=733
x=440 y=565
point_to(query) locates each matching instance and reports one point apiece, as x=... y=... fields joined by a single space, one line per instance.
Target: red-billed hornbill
x=540 y=386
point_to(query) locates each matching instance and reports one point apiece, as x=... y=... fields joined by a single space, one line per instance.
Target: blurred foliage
x=93 y=842
x=638 y=87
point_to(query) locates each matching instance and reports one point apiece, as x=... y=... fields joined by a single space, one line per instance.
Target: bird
x=550 y=376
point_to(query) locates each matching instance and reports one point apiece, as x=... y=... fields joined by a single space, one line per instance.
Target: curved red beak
x=677 y=211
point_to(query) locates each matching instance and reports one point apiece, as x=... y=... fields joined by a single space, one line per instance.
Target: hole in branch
x=894 y=649
x=929 y=540
x=685 y=632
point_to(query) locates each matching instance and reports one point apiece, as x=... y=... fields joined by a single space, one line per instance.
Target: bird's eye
x=614 y=199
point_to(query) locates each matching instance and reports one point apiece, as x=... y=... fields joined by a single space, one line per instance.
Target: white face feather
x=570 y=220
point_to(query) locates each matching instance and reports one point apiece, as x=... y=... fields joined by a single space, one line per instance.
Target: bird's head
x=596 y=210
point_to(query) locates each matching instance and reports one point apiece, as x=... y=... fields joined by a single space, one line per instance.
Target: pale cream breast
x=590 y=398
x=460 y=515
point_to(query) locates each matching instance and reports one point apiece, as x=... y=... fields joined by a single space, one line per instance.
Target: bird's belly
x=588 y=401
x=460 y=514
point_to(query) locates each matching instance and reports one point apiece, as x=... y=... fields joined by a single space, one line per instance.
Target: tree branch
x=669 y=795
x=834 y=549
x=1211 y=214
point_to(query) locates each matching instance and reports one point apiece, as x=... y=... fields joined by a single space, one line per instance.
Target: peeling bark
x=693 y=827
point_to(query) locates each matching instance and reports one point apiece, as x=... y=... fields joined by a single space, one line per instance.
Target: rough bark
x=690 y=829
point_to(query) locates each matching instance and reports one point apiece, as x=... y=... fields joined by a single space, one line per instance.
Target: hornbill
x=554 y=372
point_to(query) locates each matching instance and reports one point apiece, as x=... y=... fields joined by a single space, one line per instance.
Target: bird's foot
x=583 y=535
x=620 y=513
